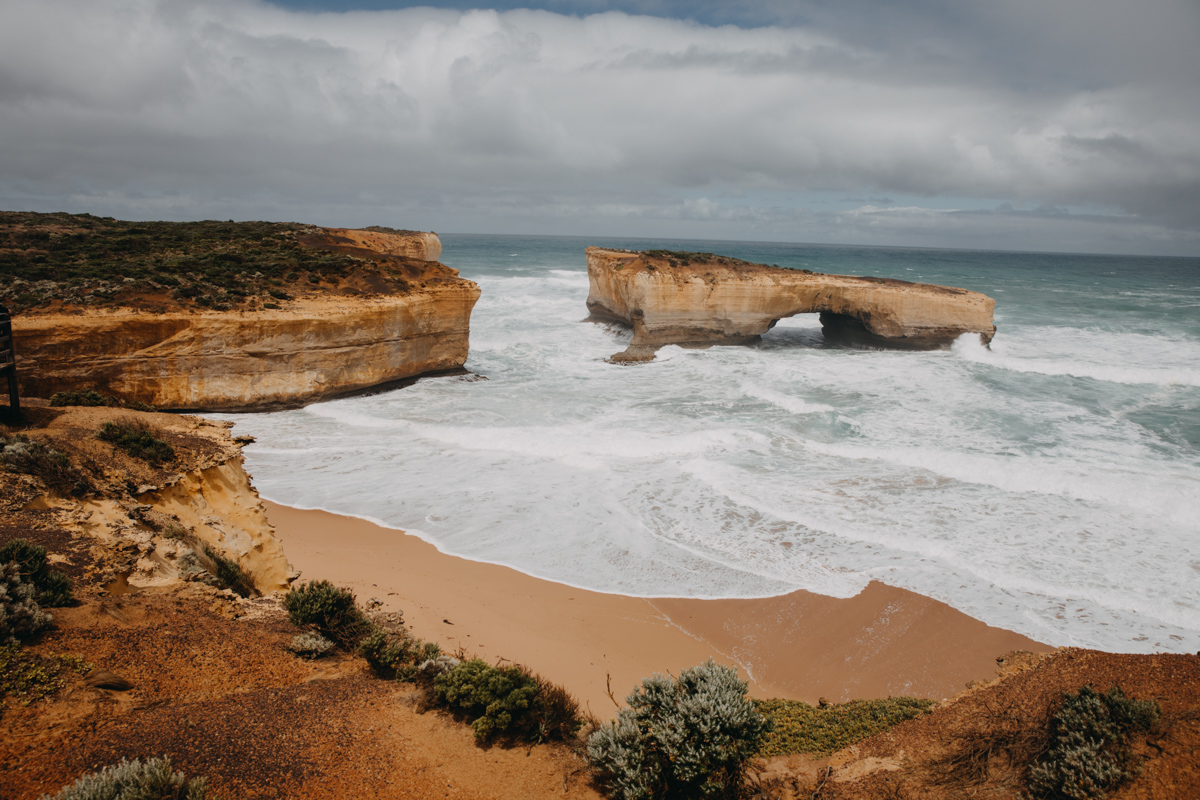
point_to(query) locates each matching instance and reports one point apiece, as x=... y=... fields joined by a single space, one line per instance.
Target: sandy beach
x=884 y=641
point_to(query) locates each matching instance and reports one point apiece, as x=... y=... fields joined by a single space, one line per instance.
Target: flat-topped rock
x=700 y=299
x=227 y=316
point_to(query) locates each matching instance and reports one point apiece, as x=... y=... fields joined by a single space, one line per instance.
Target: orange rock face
x=313 y=349
x=725 y=301
x=420 y=245
x=310 y=348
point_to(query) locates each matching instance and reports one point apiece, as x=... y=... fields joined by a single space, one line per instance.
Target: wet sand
x=884 y=641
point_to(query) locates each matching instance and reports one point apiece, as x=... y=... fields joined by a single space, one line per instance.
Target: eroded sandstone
x=701 y=300
x=335 y=339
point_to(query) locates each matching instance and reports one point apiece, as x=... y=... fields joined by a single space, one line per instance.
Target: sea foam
x=1050 y=485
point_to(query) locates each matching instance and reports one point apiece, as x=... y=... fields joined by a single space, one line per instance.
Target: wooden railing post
x=8 y=363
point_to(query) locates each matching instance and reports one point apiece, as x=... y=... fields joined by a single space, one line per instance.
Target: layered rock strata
x=309 y=348
x=420 y=245
x=701 y=300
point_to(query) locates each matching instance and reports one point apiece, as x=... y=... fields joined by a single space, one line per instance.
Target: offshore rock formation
x=331 y=342
x=698 y=299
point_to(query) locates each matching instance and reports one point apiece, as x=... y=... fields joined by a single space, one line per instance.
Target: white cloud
x=552 y=123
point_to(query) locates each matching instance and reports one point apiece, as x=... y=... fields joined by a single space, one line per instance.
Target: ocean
x=1049 y=485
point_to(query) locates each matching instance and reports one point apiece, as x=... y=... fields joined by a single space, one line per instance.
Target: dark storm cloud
x=540 y=122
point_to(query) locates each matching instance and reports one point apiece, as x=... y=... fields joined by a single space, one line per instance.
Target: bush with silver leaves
x=310 y=645
x=134 y=780
x=690 y=738
x=20 y=614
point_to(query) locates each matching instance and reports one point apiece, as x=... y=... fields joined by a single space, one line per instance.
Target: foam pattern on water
x=1050 y=485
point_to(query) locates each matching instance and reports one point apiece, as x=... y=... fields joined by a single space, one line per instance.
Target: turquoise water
x=1050 y=485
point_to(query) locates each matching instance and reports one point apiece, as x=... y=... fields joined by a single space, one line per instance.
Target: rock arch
x=699 y=299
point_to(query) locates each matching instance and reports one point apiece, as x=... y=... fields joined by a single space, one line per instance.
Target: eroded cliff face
x=311 y=347
x=671 y=299
x=152 y=525
x=420 y=245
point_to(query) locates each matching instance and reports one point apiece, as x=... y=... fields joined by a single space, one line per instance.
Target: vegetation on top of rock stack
x=48 y=261
x=825 y=729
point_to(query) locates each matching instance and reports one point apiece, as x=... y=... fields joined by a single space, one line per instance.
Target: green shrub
x=52 y=588
x=138 y=440
x=556 y=713
x=1089 y=744
x=135 y=780
x=801 y=728
x=87 y=397
x=689 y=738
x=329 y=610
x=393 y=655
x=38 y=459
x=500 y=699
x=229 y=575
x=20 y=614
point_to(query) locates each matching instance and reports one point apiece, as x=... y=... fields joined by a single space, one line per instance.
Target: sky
x=1060 y=125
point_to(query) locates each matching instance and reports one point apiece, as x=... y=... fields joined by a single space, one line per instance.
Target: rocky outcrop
x=148 y=525
x=307 y=349
x=697 y=299
x=422 y=246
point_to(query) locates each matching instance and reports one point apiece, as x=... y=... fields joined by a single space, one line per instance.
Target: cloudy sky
x=1013 y=124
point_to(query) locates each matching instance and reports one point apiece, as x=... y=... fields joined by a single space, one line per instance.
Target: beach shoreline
x=882 y=642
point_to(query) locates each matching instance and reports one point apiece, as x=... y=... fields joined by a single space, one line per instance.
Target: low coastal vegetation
x=26 y=677
x=27 y=585
x=139 y=440
x=20 y=454
x=820 y=730
x=506 y=703
x=1088 y=752
x=152 y=779
x=686 y=738
x=92 y=398
x=54 y=260
x=51 y=588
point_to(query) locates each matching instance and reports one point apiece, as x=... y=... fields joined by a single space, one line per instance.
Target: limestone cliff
x=697 y=299
x=420 y=245
x=237 y=360
x=374 y=309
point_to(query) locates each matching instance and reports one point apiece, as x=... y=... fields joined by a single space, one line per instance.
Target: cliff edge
x=701 y=299
x=226 y=316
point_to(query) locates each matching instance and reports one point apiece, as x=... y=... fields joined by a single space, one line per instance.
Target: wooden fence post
x=8 y=363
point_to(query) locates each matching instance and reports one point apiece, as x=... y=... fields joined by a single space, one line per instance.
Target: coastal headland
x=232 y=316
x=702 y=299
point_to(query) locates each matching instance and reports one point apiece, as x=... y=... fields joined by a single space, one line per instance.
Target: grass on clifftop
x=82 y=260
x=801 y=728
